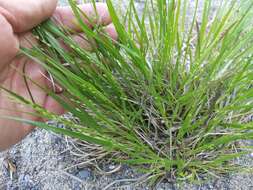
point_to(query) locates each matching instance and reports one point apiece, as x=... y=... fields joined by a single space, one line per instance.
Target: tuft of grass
x=170 y=97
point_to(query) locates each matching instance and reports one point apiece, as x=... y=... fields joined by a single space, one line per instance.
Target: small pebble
x=84 y=174
x=111 y=167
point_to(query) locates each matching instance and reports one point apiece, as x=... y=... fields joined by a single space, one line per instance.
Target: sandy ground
x=45 y=161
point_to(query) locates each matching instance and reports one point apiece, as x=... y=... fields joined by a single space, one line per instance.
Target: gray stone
x=84 y=174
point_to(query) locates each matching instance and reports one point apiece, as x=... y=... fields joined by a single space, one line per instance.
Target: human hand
x=17 y=17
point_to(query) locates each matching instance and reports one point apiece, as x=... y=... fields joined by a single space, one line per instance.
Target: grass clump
x=170 y=97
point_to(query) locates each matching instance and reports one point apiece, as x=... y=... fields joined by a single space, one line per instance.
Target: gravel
x=44 y=161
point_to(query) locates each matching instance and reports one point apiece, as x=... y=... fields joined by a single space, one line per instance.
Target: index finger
x=26 y=14
x=100 y=16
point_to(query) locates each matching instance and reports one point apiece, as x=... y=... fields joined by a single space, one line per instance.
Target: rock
x=112 y=167
x=84 y=174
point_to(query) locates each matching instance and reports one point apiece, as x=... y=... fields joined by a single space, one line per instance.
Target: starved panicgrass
x=169 y=97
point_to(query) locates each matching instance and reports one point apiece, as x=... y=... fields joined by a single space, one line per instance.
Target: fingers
x=9 y=44
x=52 y=84
x=27 y=13
x=88 y=44
x=111 y=31
x=31 y=88
x=66 y=17
x=53 y=106
x=27 y=40
x=8 y=16
x=81 y=40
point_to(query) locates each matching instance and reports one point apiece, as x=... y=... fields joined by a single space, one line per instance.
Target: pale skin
x=17 y=18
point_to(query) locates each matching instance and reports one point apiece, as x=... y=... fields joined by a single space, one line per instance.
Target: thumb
x=28 y=13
